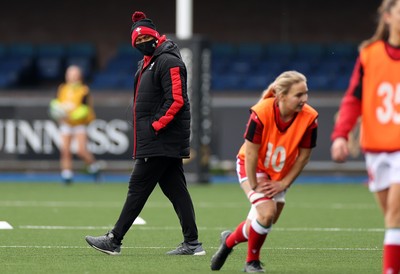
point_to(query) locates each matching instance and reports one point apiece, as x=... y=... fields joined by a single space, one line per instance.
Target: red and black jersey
x=255 y=128
x=280 y=142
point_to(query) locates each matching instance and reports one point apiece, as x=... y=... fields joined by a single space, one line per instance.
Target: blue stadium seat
x=3 y=50
x=8 y=79
x=301 y=66
x=223 y=50
x=106 y=81
x=250 y=51
x=121 y=64
x=51 y=50
x=240 y=67
x=257 y=82
x=50 y=69
x=340 y=82
x=16 y=64
x=329 y=66
x=86 y=65
x=319 y=82
x=83 y=55
x=50 y=63
x=226 y=82
x=220 y=65
x=21 y=50
x=81 y=50
x=347 y=67
x=310 y=51
x=273 y=67
x=127 y=82
x=343 y=51
x=126 y=50
x=118 y=73
x=279 y=51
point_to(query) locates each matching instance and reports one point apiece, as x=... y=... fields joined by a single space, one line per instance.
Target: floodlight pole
x=184 y=19
x=196 y=54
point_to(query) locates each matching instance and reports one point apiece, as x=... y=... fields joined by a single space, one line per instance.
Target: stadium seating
x=28 y=65
x=119 y=71
x=82 y=55
x=245 y=66
x=50 y=62
x=234 y=67
x=16 y=65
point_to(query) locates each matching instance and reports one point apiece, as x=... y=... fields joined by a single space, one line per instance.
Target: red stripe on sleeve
x=177 y=100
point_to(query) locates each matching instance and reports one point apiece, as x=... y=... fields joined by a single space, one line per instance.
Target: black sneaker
x=67 y=181
x=96 y=176
x=219 y=258
x=253 y=267
x=94 y=170
x=187 y=249
x=106 y=244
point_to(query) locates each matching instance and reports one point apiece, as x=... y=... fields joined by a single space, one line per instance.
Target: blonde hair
x=382 y=29
x=283 y=83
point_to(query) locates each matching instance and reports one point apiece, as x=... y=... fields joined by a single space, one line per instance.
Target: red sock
x=237 y=236
x=256 y=240
x=391 y=251
x=391 y=259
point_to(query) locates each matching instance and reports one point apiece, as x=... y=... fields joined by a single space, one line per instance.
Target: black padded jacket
x=161 y=109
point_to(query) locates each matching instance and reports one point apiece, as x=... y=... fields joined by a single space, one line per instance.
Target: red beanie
x=142 y=26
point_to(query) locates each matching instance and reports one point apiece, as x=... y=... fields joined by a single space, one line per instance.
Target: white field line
x=165 y=247
x=81 y=204
x=279 y=229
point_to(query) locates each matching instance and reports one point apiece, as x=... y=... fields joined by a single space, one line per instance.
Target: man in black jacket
x=161 y=129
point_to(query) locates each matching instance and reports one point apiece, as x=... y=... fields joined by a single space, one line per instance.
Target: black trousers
x=168 y=172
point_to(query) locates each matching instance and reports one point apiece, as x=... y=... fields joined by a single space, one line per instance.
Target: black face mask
x=147 y=48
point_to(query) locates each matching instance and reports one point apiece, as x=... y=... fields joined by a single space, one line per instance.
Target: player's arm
x=250 y=163
x=350 y=106
x=173 y=84
x=301 y=161
x=349 y=111
x=308 y=141
x=253 y=137
x=272 y=188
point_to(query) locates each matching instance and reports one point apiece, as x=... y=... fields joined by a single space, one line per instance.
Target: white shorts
x=241 y=172
x=279 y=198
x=66 y=129
x=383 y=170
x=242 y=177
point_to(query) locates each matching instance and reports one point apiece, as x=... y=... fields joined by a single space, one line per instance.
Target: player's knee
x=266 y=218
x=392 y=217
x=82 y=153
x=65 y=153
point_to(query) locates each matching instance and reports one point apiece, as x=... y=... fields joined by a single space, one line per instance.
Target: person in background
x=73 y=109
x=280 y=133
x=374 y=94
x=161 y=130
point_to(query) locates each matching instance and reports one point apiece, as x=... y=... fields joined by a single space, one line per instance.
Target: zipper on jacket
x=134 y=114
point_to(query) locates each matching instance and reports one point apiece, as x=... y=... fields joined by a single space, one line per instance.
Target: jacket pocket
x=151 y=131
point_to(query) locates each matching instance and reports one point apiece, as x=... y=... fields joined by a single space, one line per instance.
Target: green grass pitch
x=324 y=228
